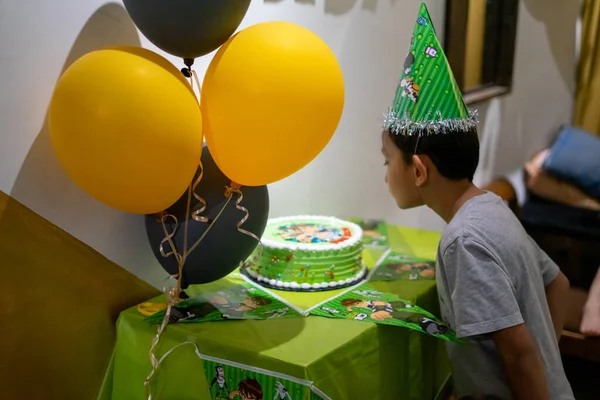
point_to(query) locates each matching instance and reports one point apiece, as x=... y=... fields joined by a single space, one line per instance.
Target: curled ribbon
x=173 y=294
x=169 y=237
x=172 y=299
x=196 y=215
x=236 y=188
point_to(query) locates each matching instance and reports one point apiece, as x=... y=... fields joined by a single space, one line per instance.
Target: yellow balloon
x=127 y=128
x=271 y=100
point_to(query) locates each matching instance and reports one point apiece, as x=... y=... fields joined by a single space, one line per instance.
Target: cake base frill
x=305 y=287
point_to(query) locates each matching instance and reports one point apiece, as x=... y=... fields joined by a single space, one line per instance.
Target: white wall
x=40 y=38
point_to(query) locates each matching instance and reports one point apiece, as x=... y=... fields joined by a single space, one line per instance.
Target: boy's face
x=400 y=177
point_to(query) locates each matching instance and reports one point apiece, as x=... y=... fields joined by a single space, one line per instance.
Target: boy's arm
x=557 y=290
x=556 y=295
x=590 y=324
x=522 y=363
x=484 y=303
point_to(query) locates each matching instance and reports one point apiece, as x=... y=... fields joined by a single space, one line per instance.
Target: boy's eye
x=385 y=163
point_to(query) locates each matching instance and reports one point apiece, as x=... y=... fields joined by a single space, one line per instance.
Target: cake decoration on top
x=314 y=233
x=308 y=253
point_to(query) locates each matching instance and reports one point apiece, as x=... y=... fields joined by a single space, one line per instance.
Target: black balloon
x=222 y=249
x=187 y=28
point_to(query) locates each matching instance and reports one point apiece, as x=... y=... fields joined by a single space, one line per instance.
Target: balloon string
x=172 y=299
x=173 y=296
x=229 y=190
x=173 y=293
x=195 y=76
x=167 y=354
x=169 y=237
x=196 y=215
x=188 y=210
x=209 y=227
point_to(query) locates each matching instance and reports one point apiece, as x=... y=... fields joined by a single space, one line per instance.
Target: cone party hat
x=428 y=99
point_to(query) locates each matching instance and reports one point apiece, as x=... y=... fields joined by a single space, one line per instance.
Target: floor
x=583 y=376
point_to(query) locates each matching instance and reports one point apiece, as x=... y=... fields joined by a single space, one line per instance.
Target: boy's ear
x=420 y=170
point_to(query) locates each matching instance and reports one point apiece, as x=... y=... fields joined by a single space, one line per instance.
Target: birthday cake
x=308 y=253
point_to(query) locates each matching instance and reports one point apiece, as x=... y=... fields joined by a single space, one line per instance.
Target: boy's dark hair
x=484 y=397
x=454 y=154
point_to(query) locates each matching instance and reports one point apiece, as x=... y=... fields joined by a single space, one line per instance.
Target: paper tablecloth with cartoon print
x=344 y=359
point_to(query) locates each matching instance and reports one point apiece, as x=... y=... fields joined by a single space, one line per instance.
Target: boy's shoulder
x=485 y=219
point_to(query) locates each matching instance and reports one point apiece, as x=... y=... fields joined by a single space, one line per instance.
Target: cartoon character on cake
x=248 y=389
x=313 y=233
x=222 y=391
x=308 y=253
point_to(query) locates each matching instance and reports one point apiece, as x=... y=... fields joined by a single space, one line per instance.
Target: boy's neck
x=449 y=196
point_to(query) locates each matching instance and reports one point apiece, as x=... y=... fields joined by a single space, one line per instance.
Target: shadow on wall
x=43 y=185
x=525 y=121
x=41 y=175
x=60 y=298
x=341 y=7
x=489 y=126
x=562 y=40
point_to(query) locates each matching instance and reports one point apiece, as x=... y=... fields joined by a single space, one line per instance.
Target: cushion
x=575 y=157
x=544 y=185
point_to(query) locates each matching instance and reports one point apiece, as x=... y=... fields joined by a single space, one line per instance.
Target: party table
x=344 y=359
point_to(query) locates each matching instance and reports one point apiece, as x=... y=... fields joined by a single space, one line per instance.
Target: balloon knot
x=160 y=216
x=186 y=72
x=233 y=187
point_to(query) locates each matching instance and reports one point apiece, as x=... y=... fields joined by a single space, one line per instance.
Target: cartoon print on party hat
x=428 y=99
x=409 y=86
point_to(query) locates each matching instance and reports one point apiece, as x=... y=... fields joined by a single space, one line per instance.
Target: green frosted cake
x=309 y=253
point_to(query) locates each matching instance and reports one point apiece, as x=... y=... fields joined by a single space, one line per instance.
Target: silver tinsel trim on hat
x=402 y=125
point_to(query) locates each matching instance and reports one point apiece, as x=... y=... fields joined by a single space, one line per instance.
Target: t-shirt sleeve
x=483 y=296
x=548 y=268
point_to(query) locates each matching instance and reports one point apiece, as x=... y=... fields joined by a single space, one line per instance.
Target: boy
x=497 y=289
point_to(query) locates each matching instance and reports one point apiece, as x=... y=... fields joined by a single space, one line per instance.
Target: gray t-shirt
x=491 y=275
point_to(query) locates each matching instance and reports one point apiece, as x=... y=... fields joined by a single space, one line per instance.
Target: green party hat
x=428 y=99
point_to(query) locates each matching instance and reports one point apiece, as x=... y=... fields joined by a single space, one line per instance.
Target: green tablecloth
x=345 y=359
